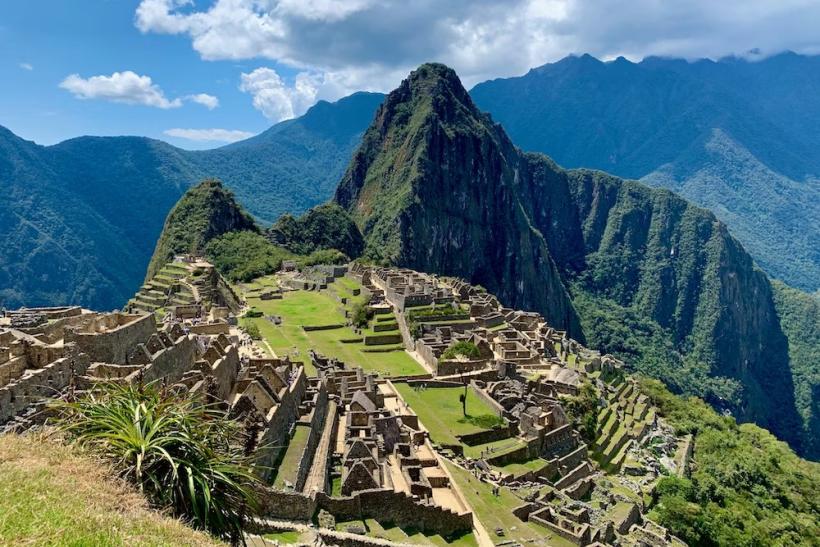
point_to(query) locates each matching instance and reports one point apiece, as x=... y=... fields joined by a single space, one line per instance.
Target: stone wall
x=379 y=339
x=225 y=370
x=488 y=436
x=210 y=328
x=385 y=506
x=113 y=345
x=317 y=427
x=39 y=384
x=286 y=413
x=172 y=362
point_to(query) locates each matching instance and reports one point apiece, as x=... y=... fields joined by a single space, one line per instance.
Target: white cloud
x=130 y=88
x=208 y=101
x=27 y=66
x=277 y=100
x=345 y=45
x=217 y=135
x=121 y=87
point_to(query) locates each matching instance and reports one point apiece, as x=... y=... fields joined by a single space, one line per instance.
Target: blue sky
x=100 y=38
x=184 y=70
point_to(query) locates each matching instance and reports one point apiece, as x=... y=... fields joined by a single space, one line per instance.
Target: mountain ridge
x=639 y=120
x=82 y=216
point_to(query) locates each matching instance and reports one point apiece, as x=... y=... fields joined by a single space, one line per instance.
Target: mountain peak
x=435 y=84
x=204 y=212
x=432 y=178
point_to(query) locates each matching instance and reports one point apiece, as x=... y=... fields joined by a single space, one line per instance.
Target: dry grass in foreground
x=51 y=494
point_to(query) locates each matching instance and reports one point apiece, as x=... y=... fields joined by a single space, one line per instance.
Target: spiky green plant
x=183 y=455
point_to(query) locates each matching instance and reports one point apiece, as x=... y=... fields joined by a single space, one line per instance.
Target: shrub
x=254 y=313
x=252 y=329
x=183 y=455
x=360 y=314
x=463 y=348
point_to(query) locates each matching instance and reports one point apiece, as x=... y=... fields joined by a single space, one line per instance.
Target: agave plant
x=182 y=454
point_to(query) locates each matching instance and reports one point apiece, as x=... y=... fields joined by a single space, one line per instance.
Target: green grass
x=289 y=465
x=336 y=487
x=284 y=536
x=496 y=448
x=53 y=494
x=518 y=469
x=440 y=411
x=496 y=511
x=298 y=308
x=396 y=534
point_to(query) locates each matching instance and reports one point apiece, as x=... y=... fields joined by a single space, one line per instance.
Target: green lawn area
x=407 y=535
x=53 y=494
x=522 y=468
x=285 y=537
x=496 y=512
x=289 y=465
x=439 y=409
x=495 y=448
x=299 y=308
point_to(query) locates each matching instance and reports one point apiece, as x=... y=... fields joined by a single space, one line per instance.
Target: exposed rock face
x=434 y=187
x=205 y=212
x=673 y=262
x=437 y=186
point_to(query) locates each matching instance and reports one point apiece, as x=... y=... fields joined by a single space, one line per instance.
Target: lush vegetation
x=582 y=409
x=205 y=212
x=183 y=455
x=54 y=494
x=800 y=317
x=653 y=278
x=745 y=487
x=324 y=227
x=733 y=136
x=462 y=348
x=243 y=256
x=81 y=219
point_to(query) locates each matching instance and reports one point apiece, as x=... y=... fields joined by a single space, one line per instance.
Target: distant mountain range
x=740 y=138
x=80 y=219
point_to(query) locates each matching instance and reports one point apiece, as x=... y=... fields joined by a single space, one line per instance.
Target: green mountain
x=326 y=226
x=437 y=186
x=80 y=219
x=205 y=212
x=734 y=136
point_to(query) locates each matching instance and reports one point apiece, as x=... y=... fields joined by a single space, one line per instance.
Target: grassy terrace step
x=395 y=534
x=299 y=308
x=289 y=465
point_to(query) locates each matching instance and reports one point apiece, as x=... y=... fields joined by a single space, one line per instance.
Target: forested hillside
x=737 y=137
x=80 y=219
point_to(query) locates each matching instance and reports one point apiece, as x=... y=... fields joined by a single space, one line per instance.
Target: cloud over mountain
x=364 y=44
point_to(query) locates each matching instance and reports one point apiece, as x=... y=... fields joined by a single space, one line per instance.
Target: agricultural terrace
x=407 y=535
x=440 y=410
x=495 y=511
x=299 y=309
